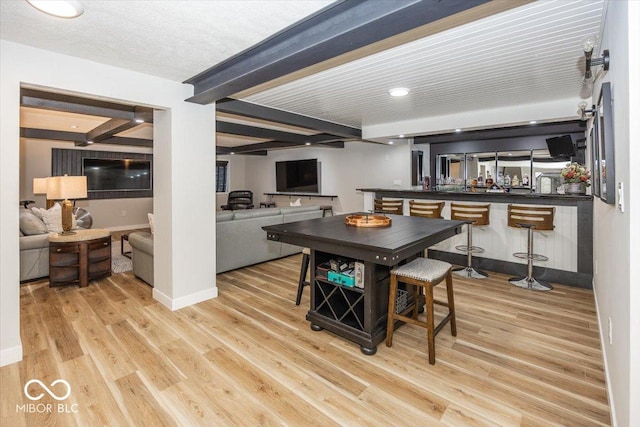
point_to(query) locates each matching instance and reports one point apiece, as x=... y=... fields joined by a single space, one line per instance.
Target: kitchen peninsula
x=569 y=246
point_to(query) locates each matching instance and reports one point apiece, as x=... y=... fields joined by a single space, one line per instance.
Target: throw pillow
x=150 y=217
x=30 y=224
x=52 y=218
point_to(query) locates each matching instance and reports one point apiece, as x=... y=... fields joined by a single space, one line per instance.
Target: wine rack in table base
x=357 y=314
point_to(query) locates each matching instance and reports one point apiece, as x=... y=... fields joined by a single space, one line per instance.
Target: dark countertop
x=527 y=198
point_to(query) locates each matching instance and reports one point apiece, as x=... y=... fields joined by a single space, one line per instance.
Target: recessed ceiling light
x=233 y=152
x=58 y=8
x=399 y=91
x=390 y=142
x=533 y=122
x=74 y=126
x=307 y=143
x=89 y=142
x=509 y=154
x=139 y=120
x=401 y=135
x=458 y=130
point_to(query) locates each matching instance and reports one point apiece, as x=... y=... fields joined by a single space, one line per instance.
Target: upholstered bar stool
x=426 y=209
x=475 y=216
x=389 y=206
x=531 y=218
x=422 y=273
x=304 y=267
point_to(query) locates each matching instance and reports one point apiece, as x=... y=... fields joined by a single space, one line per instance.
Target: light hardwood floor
x=248 y=358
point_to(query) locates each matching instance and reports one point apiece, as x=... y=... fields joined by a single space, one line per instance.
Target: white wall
x=357 y=165
x=184 y=154
x=114 y=214
x=615 y=297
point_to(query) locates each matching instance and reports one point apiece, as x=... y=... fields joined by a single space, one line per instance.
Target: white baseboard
x=11 y=355
x=186 y=301
x=128 y=227
x=603 y=345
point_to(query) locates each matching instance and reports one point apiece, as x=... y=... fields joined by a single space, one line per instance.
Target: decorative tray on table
x=368 y=220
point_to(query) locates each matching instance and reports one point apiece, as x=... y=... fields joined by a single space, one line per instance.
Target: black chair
x=241 y=199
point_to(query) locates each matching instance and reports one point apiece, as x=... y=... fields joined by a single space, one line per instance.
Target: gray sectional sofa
x=240 y=239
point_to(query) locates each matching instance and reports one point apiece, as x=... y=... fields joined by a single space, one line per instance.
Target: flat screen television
x=561 y=146
x=117 y=174
x=298 y=176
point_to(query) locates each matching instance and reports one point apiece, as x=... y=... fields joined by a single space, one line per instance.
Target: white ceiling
x=174 y=39
x=529 y=54
x=525 y=55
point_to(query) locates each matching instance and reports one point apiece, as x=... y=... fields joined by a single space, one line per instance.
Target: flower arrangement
x=575 y=173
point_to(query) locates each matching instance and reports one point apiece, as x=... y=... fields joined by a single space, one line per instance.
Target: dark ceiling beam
x=55 y=135
x=272 y=134
x=272 y=145
x=248 y=109
x=573 y=126
x=339 y=28
x=108 y=129
x=74 y=104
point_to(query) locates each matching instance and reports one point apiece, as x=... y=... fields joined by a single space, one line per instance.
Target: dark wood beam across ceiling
x=248 y=109
x=339 y=28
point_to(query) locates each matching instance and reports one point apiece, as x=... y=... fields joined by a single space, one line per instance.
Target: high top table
x=359 y=314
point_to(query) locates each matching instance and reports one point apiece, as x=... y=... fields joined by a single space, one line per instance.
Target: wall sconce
x=584 y=112
x=589 y=62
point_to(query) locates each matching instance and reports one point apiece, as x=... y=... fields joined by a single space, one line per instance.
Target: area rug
x=119 y=262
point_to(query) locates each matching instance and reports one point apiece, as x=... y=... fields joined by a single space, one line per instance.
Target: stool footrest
x=533 y=257
x=472 y=249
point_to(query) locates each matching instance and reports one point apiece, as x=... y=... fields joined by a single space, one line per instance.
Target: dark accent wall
x=64 y=161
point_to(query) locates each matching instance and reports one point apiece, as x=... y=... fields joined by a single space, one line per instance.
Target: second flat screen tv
x=298 y=176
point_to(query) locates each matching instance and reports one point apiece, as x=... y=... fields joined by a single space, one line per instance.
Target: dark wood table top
x=406 y=236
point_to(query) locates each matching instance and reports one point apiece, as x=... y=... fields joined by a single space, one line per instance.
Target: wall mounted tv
x=117 y=174
x=561 y=146
x=298 y=176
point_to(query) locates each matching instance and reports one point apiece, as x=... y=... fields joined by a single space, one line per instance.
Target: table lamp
x=65 y=188
x=40 y=187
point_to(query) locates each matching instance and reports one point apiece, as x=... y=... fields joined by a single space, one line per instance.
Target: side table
x=124 y=238
x=78 y=258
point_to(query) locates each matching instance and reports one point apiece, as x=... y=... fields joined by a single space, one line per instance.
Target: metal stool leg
x=469 y=271
x=530 y=282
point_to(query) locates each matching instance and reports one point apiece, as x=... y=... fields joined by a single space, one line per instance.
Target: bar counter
x=569 y=246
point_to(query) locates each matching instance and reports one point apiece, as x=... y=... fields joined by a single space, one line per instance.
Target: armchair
x=240 y=199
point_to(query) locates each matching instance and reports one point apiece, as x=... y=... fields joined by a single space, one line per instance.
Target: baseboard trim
x=603 y=346
x=185 y=301
x=11 y=355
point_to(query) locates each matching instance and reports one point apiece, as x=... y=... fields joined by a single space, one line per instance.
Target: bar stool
x=306 y=252
x=426 y=209
x=475 y=216
x=389 y=206
x=422 y=273
x=533 y=218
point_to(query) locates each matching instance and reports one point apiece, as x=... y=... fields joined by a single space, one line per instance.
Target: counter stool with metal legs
x=475 y=216
x=426 y=209
x=532 y=218
x=422 y=273
x=304 y=267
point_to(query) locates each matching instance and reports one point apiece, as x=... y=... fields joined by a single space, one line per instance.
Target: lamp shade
x=66 y=187
x=39 y=185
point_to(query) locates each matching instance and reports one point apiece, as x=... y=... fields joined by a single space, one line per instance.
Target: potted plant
x=576 y=178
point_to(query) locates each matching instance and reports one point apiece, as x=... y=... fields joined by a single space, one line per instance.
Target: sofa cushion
x=299 y=209
x=142 y=241
x=30 y=224
x=151 y=225
x=222 y=216
x=256 y=213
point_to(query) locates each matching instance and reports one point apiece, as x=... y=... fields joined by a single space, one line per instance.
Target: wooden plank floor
x=248 y=358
